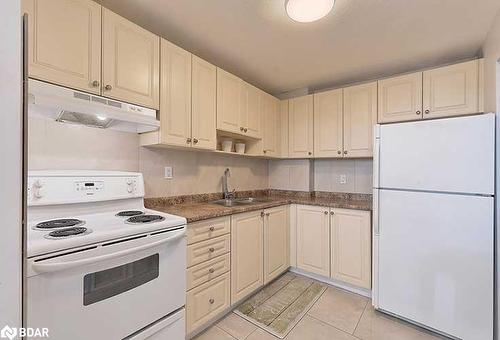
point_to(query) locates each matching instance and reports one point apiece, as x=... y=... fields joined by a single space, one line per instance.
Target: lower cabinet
x=276 y=242
x=334 y=243
x=246 y=254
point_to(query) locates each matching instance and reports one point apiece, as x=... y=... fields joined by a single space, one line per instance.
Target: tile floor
x=337 y=315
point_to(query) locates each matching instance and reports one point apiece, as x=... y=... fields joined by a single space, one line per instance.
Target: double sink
x=233 y=202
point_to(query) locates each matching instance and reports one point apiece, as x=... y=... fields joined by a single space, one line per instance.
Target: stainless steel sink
x=240 y=201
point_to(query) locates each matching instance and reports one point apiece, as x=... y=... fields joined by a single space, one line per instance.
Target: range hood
x=70 y=106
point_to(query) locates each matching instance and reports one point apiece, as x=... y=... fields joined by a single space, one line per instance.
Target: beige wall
x=491 y=54
x=198 y=172
x=59 y=146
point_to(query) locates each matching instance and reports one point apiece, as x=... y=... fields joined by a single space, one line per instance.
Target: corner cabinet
x=271 y=138
x=360 y=114
x=300 y=127
x=67 y=57
x=276 y=242
x=130 y=61
x=247 y=252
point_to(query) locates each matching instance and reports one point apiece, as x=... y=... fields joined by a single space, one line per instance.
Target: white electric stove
x=97 y=257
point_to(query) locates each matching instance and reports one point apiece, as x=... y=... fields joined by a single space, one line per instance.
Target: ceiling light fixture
x=308 y=10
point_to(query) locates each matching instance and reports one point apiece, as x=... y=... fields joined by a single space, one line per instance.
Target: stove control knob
x=129 y=181
x=39 y=193
x=38 y=184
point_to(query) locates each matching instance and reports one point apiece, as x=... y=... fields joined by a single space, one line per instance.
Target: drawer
x=207 y=250
x=205 y=230
x=208 y=270
x=206 y=301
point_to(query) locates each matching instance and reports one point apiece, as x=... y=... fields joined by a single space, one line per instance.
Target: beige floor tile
x=377 y=326
x=236 y=326
x=339 y=309
x=311 y=329
x=260 y=334
x=214 y=333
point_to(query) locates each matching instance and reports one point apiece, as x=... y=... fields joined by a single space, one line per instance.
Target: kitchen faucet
x=228 y=195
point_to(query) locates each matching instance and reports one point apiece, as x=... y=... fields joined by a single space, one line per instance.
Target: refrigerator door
x=435 y=261
x=439 y=155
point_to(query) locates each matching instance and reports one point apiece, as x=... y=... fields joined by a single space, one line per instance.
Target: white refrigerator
x=433 y=224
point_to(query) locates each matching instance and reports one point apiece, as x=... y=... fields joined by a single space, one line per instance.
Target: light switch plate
x=168 y=172
x=343 y=179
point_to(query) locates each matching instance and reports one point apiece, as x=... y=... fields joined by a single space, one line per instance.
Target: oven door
x=108 y=291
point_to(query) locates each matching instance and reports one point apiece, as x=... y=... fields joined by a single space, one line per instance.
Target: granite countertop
x=198 y=207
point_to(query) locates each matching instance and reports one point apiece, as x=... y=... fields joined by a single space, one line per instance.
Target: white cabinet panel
x=400 y=98
x=328 y=129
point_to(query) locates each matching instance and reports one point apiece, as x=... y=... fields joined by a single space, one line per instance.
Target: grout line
x=223 y=331
x=359 y=320
x=327 y=324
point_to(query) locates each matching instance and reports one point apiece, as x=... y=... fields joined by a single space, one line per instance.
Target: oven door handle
x=57 y=266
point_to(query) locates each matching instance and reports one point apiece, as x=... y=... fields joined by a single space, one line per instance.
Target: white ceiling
x=358 y=40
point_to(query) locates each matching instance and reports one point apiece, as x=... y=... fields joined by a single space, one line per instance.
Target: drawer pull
x=211 y=301
x=211 y=270
x=212 y=249
x=212 y=228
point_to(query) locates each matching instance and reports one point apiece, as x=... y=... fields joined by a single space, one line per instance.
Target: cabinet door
x=351 y=247
x=451 y=90
x=313 y=239
x=360 y=114
x=269 y=109
x=69 y=57
x=300 y=123
x=400 y=98
x=175 y=95
x=246 y=254
x=251 y=115
x=283 y=127
x=276 y=242
x=130 y=61
x=328 y=108
x=228 y=101
x=204 y=104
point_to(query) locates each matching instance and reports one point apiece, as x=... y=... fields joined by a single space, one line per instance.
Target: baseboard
x=345 y=286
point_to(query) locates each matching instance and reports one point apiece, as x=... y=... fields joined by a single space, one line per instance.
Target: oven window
x=101 y=285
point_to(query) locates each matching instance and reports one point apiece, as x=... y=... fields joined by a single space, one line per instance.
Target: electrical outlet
x=168 y=172
x=343 y=179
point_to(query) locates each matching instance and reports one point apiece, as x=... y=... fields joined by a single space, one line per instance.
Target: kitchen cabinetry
x=328 y=129
x=271 y=138
x=334 y=243
x=452 y=90
x=360 y=114
x=276 y=242
x=313 y=239
x=300 y=127
x=400 y=98
x=208 y=271
x=250 y=111
x=228 y=102
x=56 y=54
x=175 y=95
x=283 y=126
x=130 y=61
x=351 y=247
x=246 y=254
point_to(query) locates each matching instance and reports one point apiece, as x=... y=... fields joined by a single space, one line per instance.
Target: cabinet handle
x=427 y=111
x=326 y=212
x=195 y=140
x=418 y=113
x=345 y=152
x=242 y=128
x=309 y=153
x=108 y=87
x=332 y=213
x=245 y=129
x=339 y=152
x=265 y=151
x=262 y=214
x=211 y=250
x=188 y=140
x=95 y=83
x=211 y=270
x=211 y=301
x=268 y=214
x=211 y=228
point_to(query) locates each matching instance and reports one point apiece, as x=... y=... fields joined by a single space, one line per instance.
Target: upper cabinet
x=204 y=104
x=283 y=118
x=70 y=57
x=452 y=90
x=228 y=102
x=328 y=130
x=250 y=110
x=175 y=95
x=300 y=127
x=400 y=98
x=360 y=114
x=130 y=61
x=271 y=125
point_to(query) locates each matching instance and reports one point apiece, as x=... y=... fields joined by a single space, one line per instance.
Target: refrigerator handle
x=375 y=213
x=376 y=155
